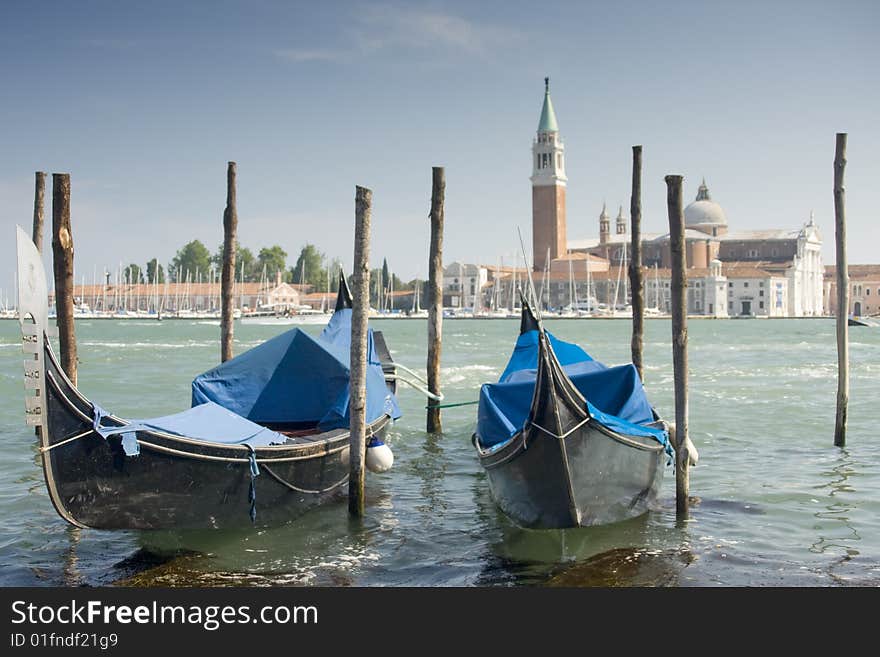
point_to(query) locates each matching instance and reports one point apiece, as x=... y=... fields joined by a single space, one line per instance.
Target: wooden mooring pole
x=227 y=272
x=37 y=235
x=39 y=196
x=435 y=299
x=842 y=292
x=62 y=267
x=360 y=292
x=635 y=264
x=679 y=341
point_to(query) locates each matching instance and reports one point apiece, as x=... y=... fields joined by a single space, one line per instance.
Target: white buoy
x=379 y=458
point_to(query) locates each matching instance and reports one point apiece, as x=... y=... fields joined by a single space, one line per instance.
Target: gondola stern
x=528 y=321
x=33 y=319
x=557 y=405
x=343 y=295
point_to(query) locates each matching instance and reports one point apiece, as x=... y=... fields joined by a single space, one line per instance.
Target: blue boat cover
x=615 y=395
x=296 y=379
x=208 y=422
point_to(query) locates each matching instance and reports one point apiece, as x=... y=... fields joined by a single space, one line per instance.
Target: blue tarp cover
x=208 y=422
x=295 y=378
x=615 y=395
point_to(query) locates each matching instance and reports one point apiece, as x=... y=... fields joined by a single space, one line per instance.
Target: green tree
x=308 y=267
x=399 y=285
x=192 y=259
x=151 y=272
x=386 y=279
x=132 y=274
x=332 y=270
x=273 y=259
x=243 y=256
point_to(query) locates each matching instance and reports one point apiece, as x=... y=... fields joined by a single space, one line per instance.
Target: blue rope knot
x=98 y=414
x=128 y=439
x=252 y=492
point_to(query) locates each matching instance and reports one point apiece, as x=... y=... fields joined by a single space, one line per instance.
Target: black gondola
x=176 y=480
x=552 y=457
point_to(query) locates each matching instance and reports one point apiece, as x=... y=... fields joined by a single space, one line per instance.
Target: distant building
x=548 y=188
x=769 y=272
x=719 y=290
x=178 y=297
x=864 y=290
x=462 y=283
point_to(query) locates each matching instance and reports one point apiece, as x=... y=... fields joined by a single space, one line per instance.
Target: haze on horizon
x=144 y=105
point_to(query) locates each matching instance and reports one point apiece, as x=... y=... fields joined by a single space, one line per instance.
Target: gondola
x=265 y=440
x=566 y=441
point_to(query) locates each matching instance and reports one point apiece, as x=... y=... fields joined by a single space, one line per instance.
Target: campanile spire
x=548 y=186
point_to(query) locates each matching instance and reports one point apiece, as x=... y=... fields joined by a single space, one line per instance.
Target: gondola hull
x=178 y=483
x=567 y=463
x=590 y=477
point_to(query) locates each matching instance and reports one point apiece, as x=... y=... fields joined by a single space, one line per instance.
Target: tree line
x=194 y=262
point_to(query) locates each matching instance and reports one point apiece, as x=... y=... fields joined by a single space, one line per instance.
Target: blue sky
x=143 y=104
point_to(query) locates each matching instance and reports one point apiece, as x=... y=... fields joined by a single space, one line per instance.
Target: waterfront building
x=864 y=290
x=173 y=298
x=763 y=268
x=461 y=283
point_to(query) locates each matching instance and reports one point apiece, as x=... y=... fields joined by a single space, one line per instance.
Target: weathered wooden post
x=635 y=264
x=37 y=235
x=842 y=292
x=62 y=267
x=435 y=292
x=227 y=271
x=679 y=341
x=363 y=202
x=39 y=195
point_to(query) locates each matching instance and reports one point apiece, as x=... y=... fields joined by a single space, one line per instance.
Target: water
x=779 y=505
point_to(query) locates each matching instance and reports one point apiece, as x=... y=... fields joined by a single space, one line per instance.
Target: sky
x=143 y=104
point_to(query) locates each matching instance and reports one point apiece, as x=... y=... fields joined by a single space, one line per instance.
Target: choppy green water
x=779 y=504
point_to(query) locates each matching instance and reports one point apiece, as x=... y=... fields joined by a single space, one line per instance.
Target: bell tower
x=548 y=187
x=604 y=226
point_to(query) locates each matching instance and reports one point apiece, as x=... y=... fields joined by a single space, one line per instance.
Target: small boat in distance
x=565 y=440
x=279 y=410
x=854 y=320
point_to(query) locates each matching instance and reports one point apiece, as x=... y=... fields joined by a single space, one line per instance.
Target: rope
x=453 y=405
x=231 y=459
x=283 y=482
x=418 y=376
x=427 y=393
x=43 y=450
x=252 y=491
x=555 y=435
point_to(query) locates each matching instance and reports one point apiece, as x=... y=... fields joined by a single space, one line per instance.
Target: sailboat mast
x=513 y=282
x=616 y=287
x=656 y=288
x=589 y=287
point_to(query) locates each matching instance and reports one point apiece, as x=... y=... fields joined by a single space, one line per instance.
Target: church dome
x=704 y=211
